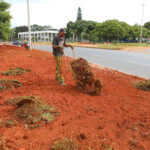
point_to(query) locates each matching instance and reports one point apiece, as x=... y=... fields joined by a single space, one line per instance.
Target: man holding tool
x=58 y=45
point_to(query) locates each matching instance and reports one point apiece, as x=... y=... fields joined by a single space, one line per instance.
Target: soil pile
x=85 y=77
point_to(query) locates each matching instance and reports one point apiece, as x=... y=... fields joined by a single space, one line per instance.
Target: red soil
x=119 y=117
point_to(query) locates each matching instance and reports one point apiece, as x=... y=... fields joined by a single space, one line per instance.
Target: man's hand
x=71 y=47
x=73 y=51
x=61 y=47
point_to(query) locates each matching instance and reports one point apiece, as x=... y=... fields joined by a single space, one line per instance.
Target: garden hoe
x=68 y=67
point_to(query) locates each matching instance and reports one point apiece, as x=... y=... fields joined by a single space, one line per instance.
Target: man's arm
x=66 y=45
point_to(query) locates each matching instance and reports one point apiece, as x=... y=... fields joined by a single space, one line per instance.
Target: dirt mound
x=85 y=78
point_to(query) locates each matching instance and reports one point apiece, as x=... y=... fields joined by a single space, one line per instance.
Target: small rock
x=25 y=137
x=82 y=136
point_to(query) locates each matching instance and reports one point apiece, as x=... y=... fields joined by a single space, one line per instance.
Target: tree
x=88 y=27
x=137 y=31
x=111 y=30
x=93 y=36
x=96 y=34
x=127 y=30
x=80 y=29
x=147 y=25
x=146 y=33
x=4 y=20
x=36 y=27
x=16 y=30
x=79 y=14
x=76 y=28
x=47 y=27
x=70 y=29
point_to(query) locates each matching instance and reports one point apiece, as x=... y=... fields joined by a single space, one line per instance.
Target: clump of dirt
x=16 y=71
x=65 y=144
x=143 y=85
x=85 y=77
x=9 y=84
x=33 y=111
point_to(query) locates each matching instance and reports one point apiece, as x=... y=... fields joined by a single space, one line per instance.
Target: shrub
x=33 y=111
x=65 y=144
x=9 y=84
x=143 y=85
x=16 y=71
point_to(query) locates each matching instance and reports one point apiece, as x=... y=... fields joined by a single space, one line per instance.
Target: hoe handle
x=73 y=53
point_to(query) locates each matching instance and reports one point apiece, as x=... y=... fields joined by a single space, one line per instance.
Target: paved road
x=128 y=62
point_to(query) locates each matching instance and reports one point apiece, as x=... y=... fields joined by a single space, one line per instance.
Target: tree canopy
x=4 y=20
x=147 y=25
x=16 y=30
x=109 y=31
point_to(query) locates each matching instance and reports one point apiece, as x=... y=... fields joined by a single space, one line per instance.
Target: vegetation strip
x=9 y=84
x=16 y=71
x=143 y=85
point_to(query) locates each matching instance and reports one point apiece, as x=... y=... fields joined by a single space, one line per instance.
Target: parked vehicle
x=17 y=43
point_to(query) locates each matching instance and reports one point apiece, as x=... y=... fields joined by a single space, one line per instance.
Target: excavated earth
x=118 y=119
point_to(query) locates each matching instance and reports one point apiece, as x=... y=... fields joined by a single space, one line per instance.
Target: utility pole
x=142 y=24
x=29 y=29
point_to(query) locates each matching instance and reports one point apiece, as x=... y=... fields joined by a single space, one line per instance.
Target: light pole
x=29 y=29
x=142 y=25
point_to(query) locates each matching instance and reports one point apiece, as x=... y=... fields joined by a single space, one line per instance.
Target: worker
x=58 y=45
x=25 y=44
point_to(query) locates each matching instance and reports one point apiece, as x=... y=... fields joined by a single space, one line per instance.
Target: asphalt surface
x=128 y=62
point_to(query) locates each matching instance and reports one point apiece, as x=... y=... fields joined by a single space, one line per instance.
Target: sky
x=57 y=13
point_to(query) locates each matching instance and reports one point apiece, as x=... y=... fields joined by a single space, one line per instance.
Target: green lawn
x=116 y=46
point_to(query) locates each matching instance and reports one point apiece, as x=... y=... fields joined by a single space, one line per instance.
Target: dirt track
x=120 y=116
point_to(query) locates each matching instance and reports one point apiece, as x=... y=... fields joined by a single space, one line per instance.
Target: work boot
x=62 y=83
x=56 y=78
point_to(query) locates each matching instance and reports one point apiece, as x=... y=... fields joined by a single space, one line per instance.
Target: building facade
x=45 y=36
x=39 y=36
